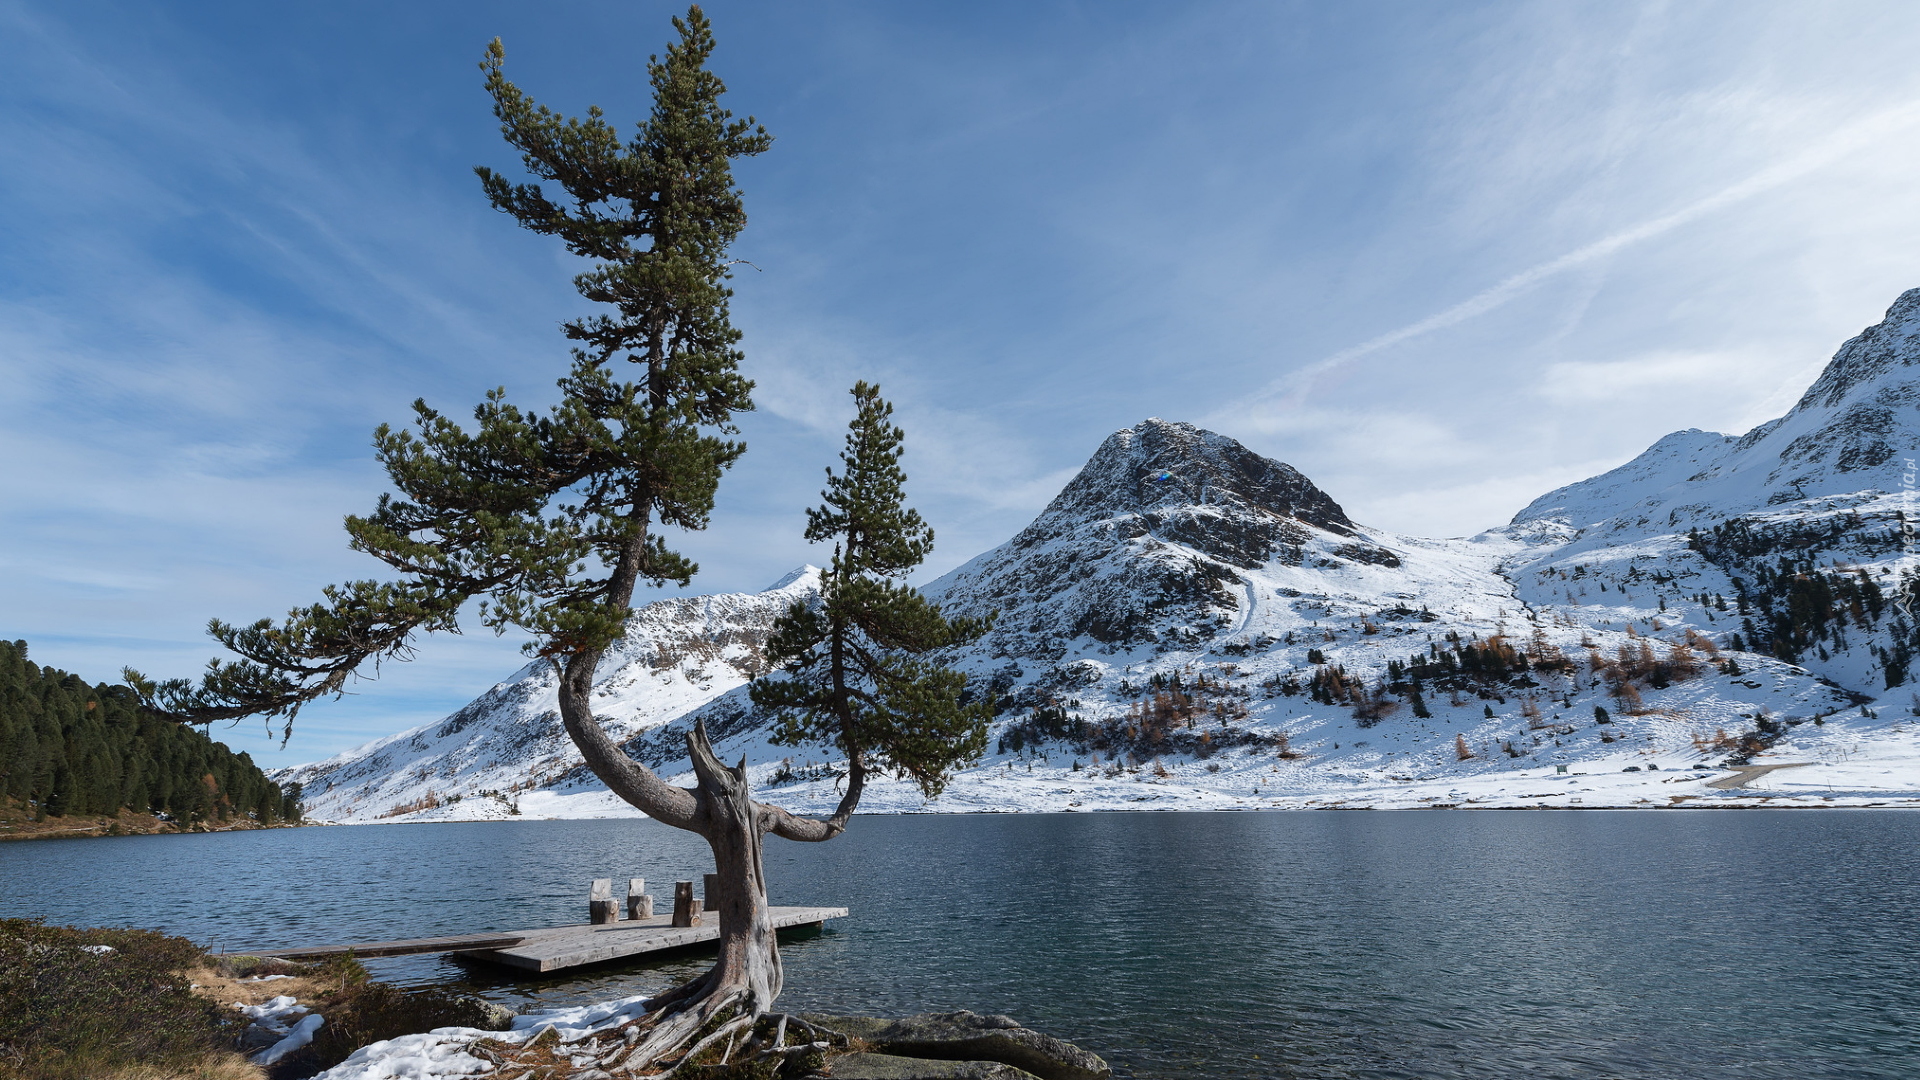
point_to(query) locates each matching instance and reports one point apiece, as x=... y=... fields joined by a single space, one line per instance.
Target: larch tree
x=552 y=521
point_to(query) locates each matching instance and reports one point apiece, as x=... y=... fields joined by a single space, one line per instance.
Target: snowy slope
x=1853 y=433
x=1191 y=625
x=502 y=753
x=1827 y=486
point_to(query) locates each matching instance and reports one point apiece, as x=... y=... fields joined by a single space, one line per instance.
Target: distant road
x=1746 y=774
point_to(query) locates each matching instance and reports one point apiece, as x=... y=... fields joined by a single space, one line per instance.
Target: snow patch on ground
x=442 y=1054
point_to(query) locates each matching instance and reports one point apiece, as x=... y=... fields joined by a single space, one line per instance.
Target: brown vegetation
x=154 y=1007
x=424 y=802
x=87 y=1004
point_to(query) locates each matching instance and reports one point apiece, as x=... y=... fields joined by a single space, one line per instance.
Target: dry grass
x=155 y=1007
x=226 y=1065
x=70 y=1013
x=241 y=989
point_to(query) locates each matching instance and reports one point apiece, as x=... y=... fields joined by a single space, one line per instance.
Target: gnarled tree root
x=665 y=1042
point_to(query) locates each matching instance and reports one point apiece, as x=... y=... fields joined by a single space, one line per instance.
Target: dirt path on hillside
x=1746 y=774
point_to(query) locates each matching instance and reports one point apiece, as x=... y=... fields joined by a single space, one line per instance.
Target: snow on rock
x=1853 y=433
x=442 y=1053
x=298 y=1036
x=1189 y=625
x=284 y=1020
x=1154 y=540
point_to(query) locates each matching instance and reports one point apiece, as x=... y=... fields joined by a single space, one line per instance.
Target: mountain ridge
x=1191 y=624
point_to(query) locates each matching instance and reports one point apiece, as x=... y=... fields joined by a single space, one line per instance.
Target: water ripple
x=1361 y=946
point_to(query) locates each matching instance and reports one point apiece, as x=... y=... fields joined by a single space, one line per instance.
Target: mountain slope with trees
x=74 y=750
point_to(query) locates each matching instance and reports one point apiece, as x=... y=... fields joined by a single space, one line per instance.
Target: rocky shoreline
x=19 y=825
x=595 y=1043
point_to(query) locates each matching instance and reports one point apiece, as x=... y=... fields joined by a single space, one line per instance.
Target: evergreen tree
x=856 y=672
x=553 y=520
x=67 y=747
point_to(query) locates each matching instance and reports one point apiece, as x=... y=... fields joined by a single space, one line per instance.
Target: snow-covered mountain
x=1851 y=434
x=507 y=747
x=1189 y=624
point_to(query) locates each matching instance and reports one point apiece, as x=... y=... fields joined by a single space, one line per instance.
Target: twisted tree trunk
x=745 y=978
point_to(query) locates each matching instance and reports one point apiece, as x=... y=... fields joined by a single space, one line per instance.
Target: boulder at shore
x=962 y=1037
x=894 y=1067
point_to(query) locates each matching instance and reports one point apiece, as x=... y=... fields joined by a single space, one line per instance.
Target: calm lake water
x=1679 y=946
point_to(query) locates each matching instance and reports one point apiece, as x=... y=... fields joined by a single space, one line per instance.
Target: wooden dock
x=560 y=947
x=396 y=948
x=572 y=946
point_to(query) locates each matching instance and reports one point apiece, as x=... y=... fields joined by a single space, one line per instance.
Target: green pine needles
x=857 y=669
x=550 y=520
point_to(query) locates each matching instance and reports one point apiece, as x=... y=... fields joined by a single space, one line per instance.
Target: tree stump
x=601 y=907
x=639 y=904
x=686 y=910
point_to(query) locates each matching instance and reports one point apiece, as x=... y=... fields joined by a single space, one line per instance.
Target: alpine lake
x=1679 y=945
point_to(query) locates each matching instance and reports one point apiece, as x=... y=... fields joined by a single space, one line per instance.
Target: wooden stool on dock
x=601 y=907
x=686 y=910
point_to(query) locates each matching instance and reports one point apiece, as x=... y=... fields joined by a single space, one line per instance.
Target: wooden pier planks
x=559 y=947
x=394 y=948
x=572 y=946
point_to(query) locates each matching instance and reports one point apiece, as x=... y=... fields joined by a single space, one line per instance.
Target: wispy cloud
x=1290 y=389
x=233 y=246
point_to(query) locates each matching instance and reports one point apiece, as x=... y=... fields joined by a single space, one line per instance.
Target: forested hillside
x=68 y=748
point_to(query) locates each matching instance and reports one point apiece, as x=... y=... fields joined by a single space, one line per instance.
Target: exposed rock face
x=1158 y=466
x=894 y=1067
x=1153 y=534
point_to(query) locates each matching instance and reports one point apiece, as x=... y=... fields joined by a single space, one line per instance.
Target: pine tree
x=552 y=520
x=855 y=672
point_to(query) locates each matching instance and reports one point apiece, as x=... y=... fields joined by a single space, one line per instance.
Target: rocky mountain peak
x=1150 y=541
x=1875 y=352
x=1159 y=465
x=1848 y=438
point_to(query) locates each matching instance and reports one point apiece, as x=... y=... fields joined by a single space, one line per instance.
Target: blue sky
x=1440 y=257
